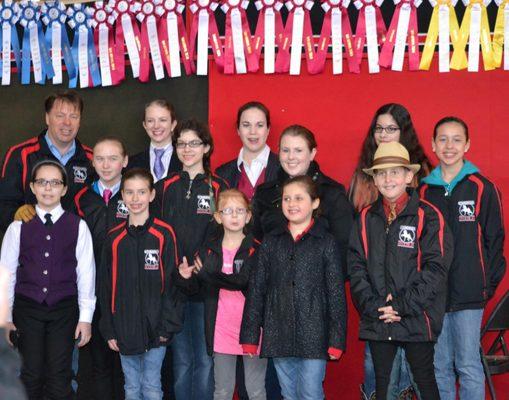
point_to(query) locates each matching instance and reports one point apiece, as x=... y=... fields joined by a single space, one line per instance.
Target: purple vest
x=47 y=260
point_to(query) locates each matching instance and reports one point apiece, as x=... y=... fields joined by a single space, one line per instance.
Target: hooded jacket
x=472 y=207
x=296 y=295
x=137 y=294
x=408 y=259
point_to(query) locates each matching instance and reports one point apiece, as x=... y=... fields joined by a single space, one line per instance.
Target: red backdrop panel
x=338 y=109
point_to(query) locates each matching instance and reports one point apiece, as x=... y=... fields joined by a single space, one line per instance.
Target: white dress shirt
x=114 y=189
x=254 y=170
x=85 y=269
x=166 y=158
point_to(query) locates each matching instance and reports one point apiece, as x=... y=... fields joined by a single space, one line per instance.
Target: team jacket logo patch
x=203 y=204
x=80 y=174
x=151 y=259
x=122 y=210
x=406 y=236
x=466 y=210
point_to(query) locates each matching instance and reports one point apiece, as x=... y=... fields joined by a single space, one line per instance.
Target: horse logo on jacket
x=406 y=236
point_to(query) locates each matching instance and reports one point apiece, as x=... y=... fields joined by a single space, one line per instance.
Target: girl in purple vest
x=51 y=287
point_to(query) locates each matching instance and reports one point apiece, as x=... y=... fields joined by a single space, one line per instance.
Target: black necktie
x=48 y=222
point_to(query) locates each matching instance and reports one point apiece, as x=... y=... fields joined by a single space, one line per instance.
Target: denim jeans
x=457 y=352
x=193 y=368
x=401 y=378
x=300 y=378
x=142 y=373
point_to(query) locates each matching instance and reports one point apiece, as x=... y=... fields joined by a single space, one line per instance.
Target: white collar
x=165 y=148
x=56 y=213
x=114 y=189
x=262 y=158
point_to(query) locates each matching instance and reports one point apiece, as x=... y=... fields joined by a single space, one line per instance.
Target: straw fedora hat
x=390 y=155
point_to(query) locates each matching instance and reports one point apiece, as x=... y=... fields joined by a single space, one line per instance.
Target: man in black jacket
x=57 y=142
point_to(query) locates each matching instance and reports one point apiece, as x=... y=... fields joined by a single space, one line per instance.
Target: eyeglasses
x=52 y=182
x=192 y=144
x=230 y=211
x=391 y=172
x=388 y=129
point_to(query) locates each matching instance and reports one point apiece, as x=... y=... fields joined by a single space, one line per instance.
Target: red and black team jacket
x=187 y=205
x=409 y=259
x=473 y=211
x=17 y=168
x=99 y=216
x=211 y=279
x=137 y=294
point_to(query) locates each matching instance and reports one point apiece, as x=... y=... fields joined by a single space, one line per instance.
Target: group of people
x=128 y=256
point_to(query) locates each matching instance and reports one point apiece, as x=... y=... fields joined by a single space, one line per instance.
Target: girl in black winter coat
x=296 y=294
x=221 y=272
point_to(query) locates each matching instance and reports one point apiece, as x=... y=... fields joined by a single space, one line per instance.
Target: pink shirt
x=230 y=307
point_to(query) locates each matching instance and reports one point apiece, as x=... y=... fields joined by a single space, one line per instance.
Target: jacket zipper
x=387 y=227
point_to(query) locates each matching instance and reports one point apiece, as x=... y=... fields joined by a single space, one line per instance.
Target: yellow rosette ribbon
x=443 y=19
x=501 y=34
x=475 y=26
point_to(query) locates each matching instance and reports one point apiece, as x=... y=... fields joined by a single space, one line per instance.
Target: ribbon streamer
x=239 y=53
x=102 y=21
x=203 y=30
x=297 y=32
x=34 y=45
x=148 y=16
x=336 y=26
x=9 y=15
x=173 y=38
x=54 y=17
x=500 y=41
x=475 y=30
x=126 y=31
x=269 y=32
x=403 y=27
x=83 y=48
x=370 y=29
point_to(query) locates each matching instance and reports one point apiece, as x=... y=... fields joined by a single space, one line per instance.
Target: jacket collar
x=216 y=245
x=435 y=177
x=140 y=229
x=79 y=154
x=318 y=229
x=411 y=208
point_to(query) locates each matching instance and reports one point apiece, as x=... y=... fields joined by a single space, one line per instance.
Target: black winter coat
x=334 y=208
x=473 y=211
x=296 y=294
x=410 y=260
x=230 y=171
x=137 y=294
x=210 y=279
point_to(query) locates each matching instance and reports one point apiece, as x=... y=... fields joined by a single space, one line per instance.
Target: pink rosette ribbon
x=403 y=28
x=203 y=30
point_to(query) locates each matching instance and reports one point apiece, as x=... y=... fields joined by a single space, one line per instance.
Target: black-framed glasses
x=52 y=182
x=192 y=144
x=231 y=210
x=388 y=129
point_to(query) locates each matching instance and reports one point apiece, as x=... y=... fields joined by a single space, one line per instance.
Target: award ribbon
x=336 y=25
x=9 y=15
x=126 y=30
x=403 y=26
x=238 y=48
x=173 y=38
x=83 y=48
x=269 y=31
x=297 y=30
x=476 y=30
x=370 y=29
x=500 y=41
x=54 y=17
x=203 y=29
x=103 y=38
x=148 y=15
x=34 y=45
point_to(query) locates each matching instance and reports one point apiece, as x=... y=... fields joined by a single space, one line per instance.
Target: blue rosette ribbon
x=9 y=15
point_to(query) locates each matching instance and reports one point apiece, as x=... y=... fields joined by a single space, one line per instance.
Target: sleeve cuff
x=249 y=348
x=335 y=352
x=86 y=315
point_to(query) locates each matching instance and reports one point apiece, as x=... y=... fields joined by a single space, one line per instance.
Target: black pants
x=46 y=342
x=99 y=370
x=420 y=357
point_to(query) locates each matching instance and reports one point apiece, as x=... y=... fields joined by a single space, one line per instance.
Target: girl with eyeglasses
x=187 y=201
x=391 y=122
x=221 y=273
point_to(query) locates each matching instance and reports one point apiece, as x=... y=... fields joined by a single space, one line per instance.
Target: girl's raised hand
x=185 y=270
